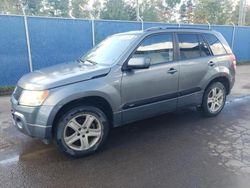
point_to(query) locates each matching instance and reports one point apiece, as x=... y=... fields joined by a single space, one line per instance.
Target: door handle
x=211 y=63
x=172 y=71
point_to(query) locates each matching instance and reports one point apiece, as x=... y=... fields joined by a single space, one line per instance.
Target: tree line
x=171 y=11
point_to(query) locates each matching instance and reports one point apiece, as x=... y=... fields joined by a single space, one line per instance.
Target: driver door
x=151 y=91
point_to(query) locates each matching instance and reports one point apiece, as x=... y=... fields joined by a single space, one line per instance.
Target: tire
x=81 y=131
x=212 y=106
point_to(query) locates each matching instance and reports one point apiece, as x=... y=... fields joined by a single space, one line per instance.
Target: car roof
x=168 y=29
x=176 y=28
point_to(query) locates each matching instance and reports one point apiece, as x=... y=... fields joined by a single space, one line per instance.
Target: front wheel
x=214 y=99
x=81 y=131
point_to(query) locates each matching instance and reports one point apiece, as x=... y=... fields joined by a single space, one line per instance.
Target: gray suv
x=125 y=78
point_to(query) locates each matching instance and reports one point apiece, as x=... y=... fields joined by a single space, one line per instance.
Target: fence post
x=27 y=38
x=209 y=25
x=233 y=35
x=142 y=23
x=93 y=31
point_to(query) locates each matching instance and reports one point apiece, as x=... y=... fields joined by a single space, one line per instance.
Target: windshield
x=109 y=50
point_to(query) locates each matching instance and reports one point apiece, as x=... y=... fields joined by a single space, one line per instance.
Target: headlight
x=33 y=98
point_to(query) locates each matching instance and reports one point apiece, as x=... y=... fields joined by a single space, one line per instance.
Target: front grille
x=17 y=92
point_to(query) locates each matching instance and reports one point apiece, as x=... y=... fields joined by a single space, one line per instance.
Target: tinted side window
x=159 y=48
x=215 y=45
x=189 y=46
x=203 y=47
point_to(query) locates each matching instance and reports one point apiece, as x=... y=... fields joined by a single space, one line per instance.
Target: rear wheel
x=214 y=99
x=81 y=131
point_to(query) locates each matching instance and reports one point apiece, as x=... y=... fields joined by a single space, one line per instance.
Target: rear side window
x=215 y=45
x=189 y=46
x=159 y=48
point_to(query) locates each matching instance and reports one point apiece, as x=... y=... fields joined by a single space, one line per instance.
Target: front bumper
x=32 y=121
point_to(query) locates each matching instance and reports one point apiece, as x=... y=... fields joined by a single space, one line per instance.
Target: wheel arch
x=222 y=79
x=96 y=101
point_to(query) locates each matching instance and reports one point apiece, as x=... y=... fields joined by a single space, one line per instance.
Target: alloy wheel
x=215 y=99
x=82 y=132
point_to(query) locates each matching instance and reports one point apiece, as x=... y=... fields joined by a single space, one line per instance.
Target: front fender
x=61 y=96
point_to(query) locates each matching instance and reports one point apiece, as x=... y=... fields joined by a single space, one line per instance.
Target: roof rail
x=155 y=28
x=174 y=27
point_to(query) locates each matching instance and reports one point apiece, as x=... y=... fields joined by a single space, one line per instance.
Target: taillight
x=233 y=60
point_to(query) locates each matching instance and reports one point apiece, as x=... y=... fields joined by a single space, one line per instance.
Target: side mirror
x=139 y=63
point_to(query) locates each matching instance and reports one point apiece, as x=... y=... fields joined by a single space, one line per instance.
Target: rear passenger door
x=194 y=57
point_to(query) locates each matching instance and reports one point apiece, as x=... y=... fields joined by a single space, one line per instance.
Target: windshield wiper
x=88 y=60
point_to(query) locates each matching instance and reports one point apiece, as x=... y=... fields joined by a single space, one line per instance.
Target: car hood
x=62 y=74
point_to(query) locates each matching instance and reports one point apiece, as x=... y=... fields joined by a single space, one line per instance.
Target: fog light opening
x=19 y=123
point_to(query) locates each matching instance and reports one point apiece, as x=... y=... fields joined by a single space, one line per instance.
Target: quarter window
x=159 y=48
x=215 y=45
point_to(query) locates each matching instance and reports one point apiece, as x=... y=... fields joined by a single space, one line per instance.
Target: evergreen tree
x=213 y=11
x=114 y=10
